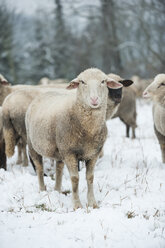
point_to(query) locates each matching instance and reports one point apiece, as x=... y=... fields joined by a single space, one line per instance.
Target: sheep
x=2 y=144
x=70 y=128
x=5 y=90
x=47 y=81
x=156 y=91
x=127 y=109
x=14 y=109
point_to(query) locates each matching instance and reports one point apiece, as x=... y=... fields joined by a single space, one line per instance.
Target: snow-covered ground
x=129 y=187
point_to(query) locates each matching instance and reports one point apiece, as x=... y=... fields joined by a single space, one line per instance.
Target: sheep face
x=93 y=87
x=156 y=90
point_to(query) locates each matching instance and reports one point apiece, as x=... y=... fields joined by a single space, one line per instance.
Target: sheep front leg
x=90 y=164
x=71 y=163
x=59 y=173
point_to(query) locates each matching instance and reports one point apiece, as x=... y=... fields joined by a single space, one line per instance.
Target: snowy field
x=129 y=187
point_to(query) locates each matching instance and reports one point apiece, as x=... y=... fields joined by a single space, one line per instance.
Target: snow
x=129 y=187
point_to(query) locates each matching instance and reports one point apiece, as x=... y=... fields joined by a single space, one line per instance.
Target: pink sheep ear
x=111 y=83
x=73 y=84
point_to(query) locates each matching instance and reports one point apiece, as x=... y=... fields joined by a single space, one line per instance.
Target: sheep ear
x=73 y=84
x=126 y=82
x=4 y=82
x=112 y=84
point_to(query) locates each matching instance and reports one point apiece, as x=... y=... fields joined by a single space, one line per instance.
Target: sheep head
x=116 y=94
x=156 y=90
x=92 y=87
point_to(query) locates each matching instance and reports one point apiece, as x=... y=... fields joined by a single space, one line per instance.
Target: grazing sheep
x=127 y=108
x=70 y=128
x=156 y=91
x=2 y=144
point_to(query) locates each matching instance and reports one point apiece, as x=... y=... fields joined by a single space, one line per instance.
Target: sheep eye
x=162 y=84
x=83 y=82
x=103 y=82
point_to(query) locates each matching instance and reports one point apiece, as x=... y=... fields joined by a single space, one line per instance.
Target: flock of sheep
x=68 y=124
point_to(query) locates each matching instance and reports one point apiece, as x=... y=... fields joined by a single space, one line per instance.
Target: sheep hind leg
x=36 y=159
x=133 y=133
x=19 y=159
x=163 y=152
x=127 y=130
x=24 y=153
x=2 y=155
x=90 y=164
x=71 y=163
x=59 y=173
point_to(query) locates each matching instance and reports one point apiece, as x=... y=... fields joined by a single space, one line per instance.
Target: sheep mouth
x=94 y=105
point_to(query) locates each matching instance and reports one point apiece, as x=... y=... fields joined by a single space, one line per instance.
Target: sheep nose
x=145 y=94
x=94 y=100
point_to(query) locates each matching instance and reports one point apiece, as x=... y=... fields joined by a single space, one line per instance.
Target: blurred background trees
x=125 y=37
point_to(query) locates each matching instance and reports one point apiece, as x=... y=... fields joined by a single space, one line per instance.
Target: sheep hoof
x=19 y=162
x=77 y=205
x=93 y=204
x=25 y=164
x=57 y=189
x=43 y=188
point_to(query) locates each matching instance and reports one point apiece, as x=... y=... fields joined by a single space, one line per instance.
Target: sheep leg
x=101 y=154
x=25 y=158
x=133 y=133
x=37 y=161
x=52 y=162
x=2 y=155
x=163 y=152
x=71 y=163
x=127 y=130
x=161 y=139
x=59 y=173
x=19 y=159
x=90 y=164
